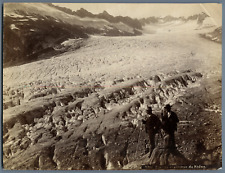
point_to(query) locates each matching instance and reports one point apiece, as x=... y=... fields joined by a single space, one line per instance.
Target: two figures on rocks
x=165 y=126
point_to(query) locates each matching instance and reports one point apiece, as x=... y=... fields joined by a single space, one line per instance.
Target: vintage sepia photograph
x=112 y=86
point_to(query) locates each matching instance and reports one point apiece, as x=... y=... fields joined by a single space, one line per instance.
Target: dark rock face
x=32 y=39
x=91 y=128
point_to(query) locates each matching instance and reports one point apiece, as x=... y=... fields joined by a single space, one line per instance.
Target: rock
x=25 y=143
x=78 y=136
x=80 y=118
x=167 y=157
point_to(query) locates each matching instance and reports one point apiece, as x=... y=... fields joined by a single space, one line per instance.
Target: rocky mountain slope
x=34 y=32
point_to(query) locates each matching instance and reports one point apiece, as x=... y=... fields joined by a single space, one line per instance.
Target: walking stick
x=137 y=143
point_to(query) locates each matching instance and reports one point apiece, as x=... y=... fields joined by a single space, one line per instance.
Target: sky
x=140 y=10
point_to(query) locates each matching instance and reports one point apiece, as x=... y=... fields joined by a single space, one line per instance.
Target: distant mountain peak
x=105 y=12
x=84 y=13
x=83 y=10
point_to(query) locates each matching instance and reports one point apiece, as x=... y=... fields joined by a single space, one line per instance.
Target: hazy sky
x=140 y=10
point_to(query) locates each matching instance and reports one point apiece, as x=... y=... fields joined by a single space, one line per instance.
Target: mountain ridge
x=104 y=15
x=32 y=32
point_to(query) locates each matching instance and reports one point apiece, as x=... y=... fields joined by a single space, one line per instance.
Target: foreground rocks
x=99 y=127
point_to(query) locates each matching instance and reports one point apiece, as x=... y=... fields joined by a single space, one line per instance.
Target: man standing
x=152 y=126
x=169 y=125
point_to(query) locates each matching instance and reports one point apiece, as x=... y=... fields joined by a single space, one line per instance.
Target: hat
x=149 y=109
x=168 y=106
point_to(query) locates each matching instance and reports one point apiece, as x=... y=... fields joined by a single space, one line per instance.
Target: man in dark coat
x=169 y=125
x=152 y=126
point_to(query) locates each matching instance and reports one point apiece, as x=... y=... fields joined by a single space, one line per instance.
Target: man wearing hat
x=152 y=126
x=169 y=125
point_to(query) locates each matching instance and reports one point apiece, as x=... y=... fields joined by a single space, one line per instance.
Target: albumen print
x=112 y=86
